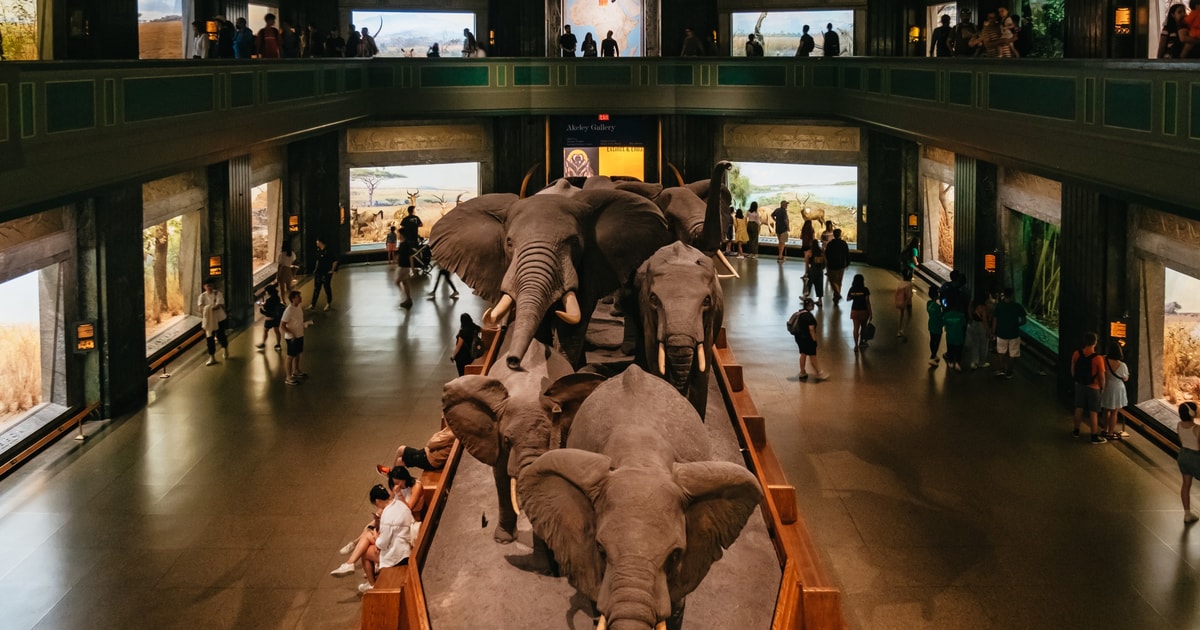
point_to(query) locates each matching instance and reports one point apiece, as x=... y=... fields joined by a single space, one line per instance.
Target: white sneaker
x=364 y=587
x=211 y=360
x=821 y=376
x=344 y=570
x=1190 y=517
x=328 y=306
x=347 y=548
x=224 y=353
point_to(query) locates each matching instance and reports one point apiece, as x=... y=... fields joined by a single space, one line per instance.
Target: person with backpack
x=1087 y=372
x=803 y=327
x=753 y=48
x=807 y=44
x=467 y=345
x=272 y=310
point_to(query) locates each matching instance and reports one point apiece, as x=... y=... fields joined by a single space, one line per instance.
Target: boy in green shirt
x=934 y=308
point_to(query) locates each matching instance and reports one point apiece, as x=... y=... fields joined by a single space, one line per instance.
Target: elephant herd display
x=615 y=475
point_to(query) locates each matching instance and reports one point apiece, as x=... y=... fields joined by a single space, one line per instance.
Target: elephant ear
x=556 y=492
x=721 y=496
x=627 y=228
x=469 y=241
x=471 y=405
x=563 y=399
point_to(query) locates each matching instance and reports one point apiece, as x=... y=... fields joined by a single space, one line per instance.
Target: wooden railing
x=398 y=599
x=65 y=425
x=176 y=350
x=808 y=598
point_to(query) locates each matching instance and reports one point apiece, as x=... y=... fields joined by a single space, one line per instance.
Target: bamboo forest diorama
x=1181 y=338
x=1033 y=267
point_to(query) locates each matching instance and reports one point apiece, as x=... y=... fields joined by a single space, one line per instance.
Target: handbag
x=868 y=331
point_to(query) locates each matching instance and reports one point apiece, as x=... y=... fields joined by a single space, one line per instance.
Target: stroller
x=422 y=259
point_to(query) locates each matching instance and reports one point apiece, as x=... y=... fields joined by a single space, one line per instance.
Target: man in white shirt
x=292 y=324
x=212 y=319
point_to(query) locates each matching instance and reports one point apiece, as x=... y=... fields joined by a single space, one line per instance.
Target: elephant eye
x=708 y=300
x=600 y=550
x=654 y=299
x=673 y=559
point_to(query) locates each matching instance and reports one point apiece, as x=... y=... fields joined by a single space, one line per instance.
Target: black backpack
x=793 y=323
x=1083 y=369
x=476 y=345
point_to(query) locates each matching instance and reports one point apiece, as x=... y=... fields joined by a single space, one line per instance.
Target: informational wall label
x=415 y=138
x=793 y=137
x=85 y=336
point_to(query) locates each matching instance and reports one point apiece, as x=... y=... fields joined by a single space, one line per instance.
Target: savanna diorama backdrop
x=410 y=33
x=18 y=25
x=781 y=30
x=20 y=348
x=813 y=192
x=1181 y=338
x=380 y=196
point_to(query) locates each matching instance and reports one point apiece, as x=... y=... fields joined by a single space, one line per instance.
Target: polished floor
x=939 y=500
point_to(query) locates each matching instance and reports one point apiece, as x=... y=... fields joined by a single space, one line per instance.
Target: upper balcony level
x=1132 y=128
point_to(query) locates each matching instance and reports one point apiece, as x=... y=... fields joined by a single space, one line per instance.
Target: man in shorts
x=1088 y=372
x=432 y=457
x=803 y=326
x=782 y=223
x=292 y=324
x=1007 y=321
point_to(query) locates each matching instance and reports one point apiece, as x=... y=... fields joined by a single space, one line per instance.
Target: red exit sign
x=603 y=117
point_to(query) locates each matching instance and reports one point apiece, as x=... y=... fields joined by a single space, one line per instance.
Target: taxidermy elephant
x=633 y=509
x=510 y=417
x=556 y=250
x=681 y=307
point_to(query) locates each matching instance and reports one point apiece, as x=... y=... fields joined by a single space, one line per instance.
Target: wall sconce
x=1123 y=21
x=914 y=34
x=210 y=27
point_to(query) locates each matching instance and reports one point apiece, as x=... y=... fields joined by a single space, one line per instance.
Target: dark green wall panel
x=775 y=76
x=603 y=75
x=1127 y=104
x=381 y=77
x=920 y=84
x=825 y=76
x=1195 y=125
x=1170 y=108
x=163 y=97
x=330 y=84
x=287 y=85
x=241 y=89
x=959 y=88
x=454 y=76
x=1052 y=97
x=852 y=78
x=531 y=75
x=676 y=75
x=70 y=105
x=875 y=79
x=354 y=79
x=27 y=109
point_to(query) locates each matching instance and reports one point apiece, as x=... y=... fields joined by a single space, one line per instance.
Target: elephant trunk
x=632 y=601
x=681 y=355
x=537 y=286
x=710 y=237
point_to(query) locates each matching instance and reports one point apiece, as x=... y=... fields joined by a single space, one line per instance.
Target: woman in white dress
x=1113 y=397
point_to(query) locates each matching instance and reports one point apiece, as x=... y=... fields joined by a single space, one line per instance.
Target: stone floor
x=939 y=500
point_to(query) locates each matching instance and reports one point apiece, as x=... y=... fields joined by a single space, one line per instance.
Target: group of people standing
x=1002 y=34
x=568 y=43
x=235 y=40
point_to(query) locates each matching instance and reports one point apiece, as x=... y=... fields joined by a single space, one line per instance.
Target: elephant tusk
x=662 y=359
x=602 y=624
x=725 y=261
x=700 y=352
x=512 y=491
x=496 y=315
x=571 y=315
x=662 y=625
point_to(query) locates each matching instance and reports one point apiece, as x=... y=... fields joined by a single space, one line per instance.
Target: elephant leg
x=543 y=551
x=675 y=621
x=632 y=340
x=506 y=527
